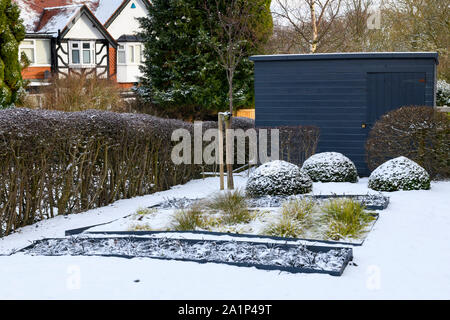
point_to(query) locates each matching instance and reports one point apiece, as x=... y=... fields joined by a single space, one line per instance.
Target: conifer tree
x=181 y=70
x=12 y=32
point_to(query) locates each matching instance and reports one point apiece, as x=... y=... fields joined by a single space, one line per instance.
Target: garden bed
x=370 y=201
x=263 y=217
x=294 y=258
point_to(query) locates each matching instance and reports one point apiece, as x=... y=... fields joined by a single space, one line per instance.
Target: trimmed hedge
x=421 y=134
x=278 y=178
x=55 y=162
x=399 y=174
x=330 y=167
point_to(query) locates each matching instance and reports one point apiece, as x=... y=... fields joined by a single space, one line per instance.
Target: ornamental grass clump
x=187 y=219
x=299 y=209
x=232 y=206
x=285 y=227
x=345 y=218
x=296 y=218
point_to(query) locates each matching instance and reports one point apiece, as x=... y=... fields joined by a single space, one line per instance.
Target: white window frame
x=124 y=50
x=28 y=46
x=127 y=47
x=80 y=49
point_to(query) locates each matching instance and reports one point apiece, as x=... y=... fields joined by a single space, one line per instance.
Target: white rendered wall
x=126 y=22
x=127 y=73
x=83 y=29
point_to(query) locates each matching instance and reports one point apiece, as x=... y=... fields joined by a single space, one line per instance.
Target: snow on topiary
x=442 y=93
x=278 y=178
x=399 y=174
x=330 y=167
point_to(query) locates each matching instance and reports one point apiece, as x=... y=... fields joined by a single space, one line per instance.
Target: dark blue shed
x=343 y=94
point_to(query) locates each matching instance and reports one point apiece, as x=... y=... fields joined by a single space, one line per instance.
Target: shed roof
x=348 y=56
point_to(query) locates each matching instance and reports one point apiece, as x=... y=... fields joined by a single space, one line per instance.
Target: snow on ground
x=406 y=256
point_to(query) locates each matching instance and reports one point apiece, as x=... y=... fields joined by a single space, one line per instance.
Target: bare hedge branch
x=55 y=162
x=421 y=134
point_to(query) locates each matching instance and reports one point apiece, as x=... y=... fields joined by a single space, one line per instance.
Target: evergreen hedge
x=12 y=32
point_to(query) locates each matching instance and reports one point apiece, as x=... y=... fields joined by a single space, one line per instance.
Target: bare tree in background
x=420 y=25
x=312 y=20
x=354 y=22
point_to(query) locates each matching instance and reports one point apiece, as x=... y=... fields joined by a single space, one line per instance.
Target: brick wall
x=112 y=64
x=33 y=73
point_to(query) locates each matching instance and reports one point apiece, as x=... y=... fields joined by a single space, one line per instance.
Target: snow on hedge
x=442 y=93
x=330 y=167
x=278 y=178
x=399 y=174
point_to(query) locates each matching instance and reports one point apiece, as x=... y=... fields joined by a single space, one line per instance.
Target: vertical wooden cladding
x=333 y=92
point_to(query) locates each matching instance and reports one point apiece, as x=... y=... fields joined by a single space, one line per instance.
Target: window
x=87 y=59
x=121 y=59
x=138 y=53
x=75 y=50
x=131 y=53
x=81 y=53
x=28 y=48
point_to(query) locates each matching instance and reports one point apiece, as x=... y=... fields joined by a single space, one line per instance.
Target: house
x=82 y=37
x=343 y=94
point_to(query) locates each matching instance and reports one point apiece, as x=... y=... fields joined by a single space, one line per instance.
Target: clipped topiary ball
x=278 y=178
x=330 y=167
x=399 y=174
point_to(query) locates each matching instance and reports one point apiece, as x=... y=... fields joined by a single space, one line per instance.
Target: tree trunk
x=220 y=137
x=230 y=90
x=229 y=154
x=313 y=45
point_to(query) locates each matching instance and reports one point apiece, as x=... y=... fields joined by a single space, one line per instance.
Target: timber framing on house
x=96 y=37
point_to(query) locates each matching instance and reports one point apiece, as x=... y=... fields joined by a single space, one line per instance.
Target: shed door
x=390 y=90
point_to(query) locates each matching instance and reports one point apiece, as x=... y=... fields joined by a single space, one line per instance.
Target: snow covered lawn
x=405 y=256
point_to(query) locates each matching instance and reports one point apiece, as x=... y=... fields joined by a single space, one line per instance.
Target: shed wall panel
x=333 y=95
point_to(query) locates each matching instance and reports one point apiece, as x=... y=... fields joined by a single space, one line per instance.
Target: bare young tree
x=233 y=31
x=311 y=19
